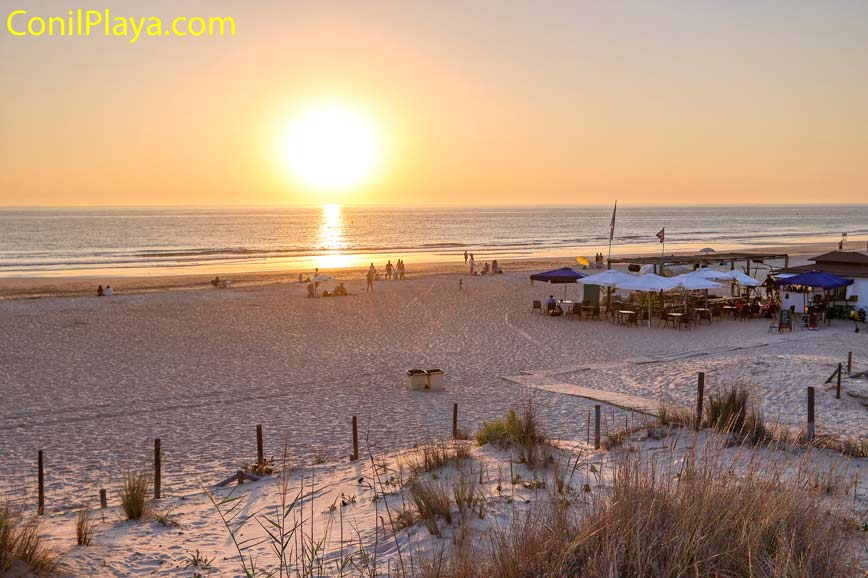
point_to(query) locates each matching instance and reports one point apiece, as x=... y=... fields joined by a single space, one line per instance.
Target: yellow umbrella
x=582 y=261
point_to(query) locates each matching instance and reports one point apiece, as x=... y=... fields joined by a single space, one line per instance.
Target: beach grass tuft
x=431 y=499
x=22 y=548
x=134 y=493
x=84 y=528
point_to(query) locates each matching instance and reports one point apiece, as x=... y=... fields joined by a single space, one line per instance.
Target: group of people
x=492 y=268
x=394 y=272
x=599 y=260
x=107 y=292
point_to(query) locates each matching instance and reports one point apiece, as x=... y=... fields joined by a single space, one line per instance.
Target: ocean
x=130 y=241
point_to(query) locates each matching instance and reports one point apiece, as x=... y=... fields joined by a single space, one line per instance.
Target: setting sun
x=331 y=147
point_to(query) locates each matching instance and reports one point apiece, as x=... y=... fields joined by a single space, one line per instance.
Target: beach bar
x=703 y=259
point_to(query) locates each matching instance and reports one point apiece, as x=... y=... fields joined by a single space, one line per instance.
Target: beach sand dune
x=92 y=381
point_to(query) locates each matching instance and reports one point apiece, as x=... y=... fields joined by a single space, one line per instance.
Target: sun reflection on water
x=331 y=229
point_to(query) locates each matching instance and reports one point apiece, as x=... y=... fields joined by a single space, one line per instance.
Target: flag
x=661 y=234
x=612 y=224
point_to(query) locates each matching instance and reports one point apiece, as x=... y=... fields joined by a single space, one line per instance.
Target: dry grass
x=520 y=429
x=84 y=528
x=431 y=499
x=430 y=457
x=22 y=548
x=468 y=496
x=134 y=495
x=730 y=410
x=702 y=522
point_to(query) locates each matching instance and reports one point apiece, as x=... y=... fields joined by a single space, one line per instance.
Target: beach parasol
x=649 y=283
x=563 y=275
x=582 y=261
x=692 y=282
x=712 y=274
x=743 y=278
x=819 y=279
x=608 y=278
x=707 y=250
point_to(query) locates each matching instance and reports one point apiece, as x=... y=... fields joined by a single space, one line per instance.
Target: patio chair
x=576 y=309
x=537 y=306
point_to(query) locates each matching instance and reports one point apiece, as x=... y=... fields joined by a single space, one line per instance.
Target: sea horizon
x=129 y=241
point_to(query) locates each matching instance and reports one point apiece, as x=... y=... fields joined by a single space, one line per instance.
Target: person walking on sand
x=372 y=273
x=472 y=265
x=465 y=256
x=389 y=269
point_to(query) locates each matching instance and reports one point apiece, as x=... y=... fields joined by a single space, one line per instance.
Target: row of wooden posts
x=158 y=462
x=260 y=455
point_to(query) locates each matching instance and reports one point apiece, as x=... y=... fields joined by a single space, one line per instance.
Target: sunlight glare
x=331 y=147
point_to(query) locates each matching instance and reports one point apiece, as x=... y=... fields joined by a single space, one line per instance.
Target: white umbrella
x=743 y=279
x=707 y=250
x=712 y=274
x=649 y=283
x=608 y=278
x=691 y=282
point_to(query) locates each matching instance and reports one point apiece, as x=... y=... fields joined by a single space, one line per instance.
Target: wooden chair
x=537 y=306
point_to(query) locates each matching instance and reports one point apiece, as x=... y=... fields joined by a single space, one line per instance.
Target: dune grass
x=22 y=548
x=134 y=494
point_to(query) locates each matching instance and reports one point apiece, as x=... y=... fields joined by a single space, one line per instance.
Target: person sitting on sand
x=99 y=291
x=311 y=289
x=108 y=291
x=340 y=290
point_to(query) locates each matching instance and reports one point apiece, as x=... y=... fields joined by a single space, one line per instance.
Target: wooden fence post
x=158 y=470
x=103 y=499
x=596 y=427
x=700 y=394
x=355 y=455
x=454 y=421
x=40 y=508
x=260 y=455
x=810 y=414
x=838 y=387
x=849 y=362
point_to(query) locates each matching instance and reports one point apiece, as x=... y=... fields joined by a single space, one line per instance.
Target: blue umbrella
x=819 y=279
x=563 y=275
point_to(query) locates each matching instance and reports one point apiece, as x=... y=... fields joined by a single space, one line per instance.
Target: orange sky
x=480 y=103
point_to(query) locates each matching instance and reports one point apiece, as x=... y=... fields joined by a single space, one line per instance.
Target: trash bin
x=434 y=379
x=417 y=378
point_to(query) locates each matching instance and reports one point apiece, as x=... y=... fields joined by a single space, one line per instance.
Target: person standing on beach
x=472 y=265
x=465 y=256
x=372 y=273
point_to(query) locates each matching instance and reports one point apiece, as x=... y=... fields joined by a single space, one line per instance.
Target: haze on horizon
x=477 y=103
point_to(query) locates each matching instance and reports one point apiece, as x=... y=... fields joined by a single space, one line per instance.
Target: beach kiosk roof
x=819 y=279
x=562 y=275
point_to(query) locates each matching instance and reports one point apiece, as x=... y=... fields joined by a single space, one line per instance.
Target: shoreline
x=62 y=285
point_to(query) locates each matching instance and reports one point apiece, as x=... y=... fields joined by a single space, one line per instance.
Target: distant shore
x=66 y=285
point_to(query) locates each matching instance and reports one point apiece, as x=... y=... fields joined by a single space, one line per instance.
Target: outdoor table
x=703 y=313
x=625 y=316
x=675 y=318
x=729 y=310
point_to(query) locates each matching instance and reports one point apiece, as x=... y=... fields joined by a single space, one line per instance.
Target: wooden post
x=810 y=414
x=40 y=508
x=454 y=421
x=700 y=394
x=355 y=455
x=596 y=427
x=838 y=386
x=260 y=456
x=849 y=363
x=589 y=427
x=158 y=470
x=103 y=500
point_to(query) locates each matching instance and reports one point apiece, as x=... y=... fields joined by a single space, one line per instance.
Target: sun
x=332 y=147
